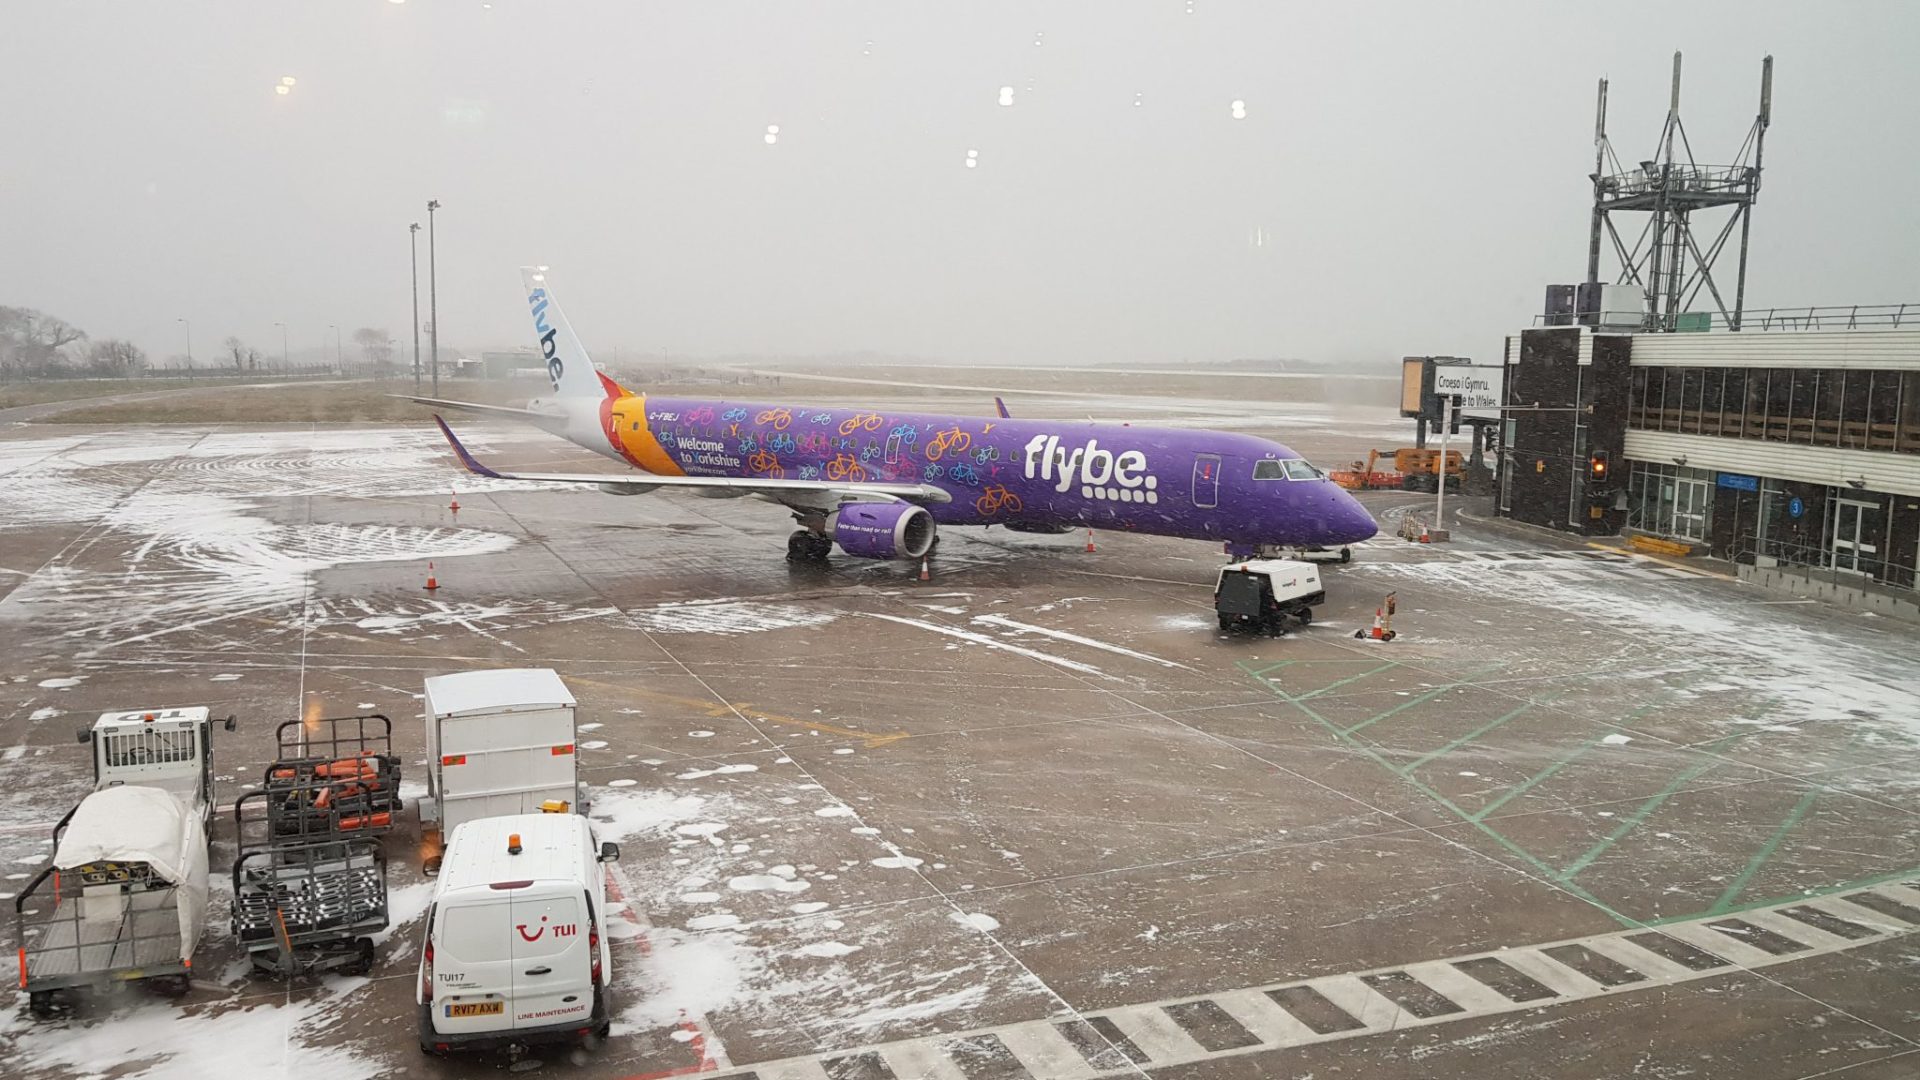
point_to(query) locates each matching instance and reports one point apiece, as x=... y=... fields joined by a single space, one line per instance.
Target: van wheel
x=1306 y=616
x=604 y=1030
x=1226 y=622
x=427 y=1049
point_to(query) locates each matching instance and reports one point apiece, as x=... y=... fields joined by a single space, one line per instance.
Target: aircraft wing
x=761 y=485
x=472 y=406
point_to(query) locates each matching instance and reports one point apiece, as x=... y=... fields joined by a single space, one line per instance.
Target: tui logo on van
x=568 y=930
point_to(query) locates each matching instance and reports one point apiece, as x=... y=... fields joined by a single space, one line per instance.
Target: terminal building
x=1790 y=447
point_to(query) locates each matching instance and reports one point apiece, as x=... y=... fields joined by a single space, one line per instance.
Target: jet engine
x=883 y=530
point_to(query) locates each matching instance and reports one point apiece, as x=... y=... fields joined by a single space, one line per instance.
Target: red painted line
x=698 y=1042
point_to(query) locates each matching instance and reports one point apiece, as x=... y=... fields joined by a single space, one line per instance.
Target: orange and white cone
x=1089 y=541
x=926 y=574
x=432 y=582
x=1376 y=623
x=455 y=504
x=1425 y=538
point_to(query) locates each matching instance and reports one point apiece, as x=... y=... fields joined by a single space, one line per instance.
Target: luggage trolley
x=334 y=777
x=309 y=907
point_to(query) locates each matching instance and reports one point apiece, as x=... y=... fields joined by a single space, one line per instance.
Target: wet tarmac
x=1034 y=817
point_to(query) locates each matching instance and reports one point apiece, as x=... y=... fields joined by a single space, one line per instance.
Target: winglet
x=1002 y=406
x=467 y=460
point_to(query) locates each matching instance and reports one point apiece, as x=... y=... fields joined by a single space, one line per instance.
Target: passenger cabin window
x=1267 y=469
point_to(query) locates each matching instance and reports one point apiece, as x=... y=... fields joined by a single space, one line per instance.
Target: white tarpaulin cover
x=144 y=825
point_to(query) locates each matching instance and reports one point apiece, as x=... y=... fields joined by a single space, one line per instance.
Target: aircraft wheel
x=1346 y=555
x=819 y=547
x=800 y=546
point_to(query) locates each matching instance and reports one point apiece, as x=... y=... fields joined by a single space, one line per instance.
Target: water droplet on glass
x=1239 y=110
x=1006 y=95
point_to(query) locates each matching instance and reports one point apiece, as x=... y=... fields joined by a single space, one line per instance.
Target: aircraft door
x=1206 y=481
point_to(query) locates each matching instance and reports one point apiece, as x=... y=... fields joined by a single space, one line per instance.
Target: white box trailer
x=498 y=743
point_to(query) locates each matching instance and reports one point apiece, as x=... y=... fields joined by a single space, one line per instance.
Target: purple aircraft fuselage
x=1035 y=474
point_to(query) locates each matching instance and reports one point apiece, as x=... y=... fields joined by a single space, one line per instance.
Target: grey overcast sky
x=1406 y=179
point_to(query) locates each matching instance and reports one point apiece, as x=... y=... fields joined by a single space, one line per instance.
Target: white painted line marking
x=1364 y=1003
x=1839 y=908
x=1906 y=894
x=809 y=1069
x=993 y=643
x=1462 y=988
x=1725 y=946
x=1091 y=643
x=1795 y=930
x=1552 y=974
x=1156 y=1034
x=921 y=1059
x=1045 y=1052
x=1270 y=1023
x=1657 y=968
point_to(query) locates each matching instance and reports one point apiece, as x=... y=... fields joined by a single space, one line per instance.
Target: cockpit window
x=1299 y=469
x=1267 y=469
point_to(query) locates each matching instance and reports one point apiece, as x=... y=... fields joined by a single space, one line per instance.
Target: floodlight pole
x=1446 y=431
x=413 y=243
x=433 y=298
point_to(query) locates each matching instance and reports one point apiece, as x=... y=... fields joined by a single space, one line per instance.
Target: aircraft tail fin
x=568 y=365
x=1002 y=407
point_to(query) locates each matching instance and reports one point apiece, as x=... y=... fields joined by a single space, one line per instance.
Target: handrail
x=1816 y=317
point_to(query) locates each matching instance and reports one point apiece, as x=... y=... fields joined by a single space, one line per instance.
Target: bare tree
x=245 y=356
x=112 y=356
x=31 y=342
x=375 y=345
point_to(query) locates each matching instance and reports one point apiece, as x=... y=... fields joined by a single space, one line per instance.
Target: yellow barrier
x=1663 y=547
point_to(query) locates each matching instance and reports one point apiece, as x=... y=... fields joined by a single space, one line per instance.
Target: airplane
x=879 y=484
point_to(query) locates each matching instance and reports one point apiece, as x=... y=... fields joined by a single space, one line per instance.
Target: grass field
x=36 y=393
x=294 y=403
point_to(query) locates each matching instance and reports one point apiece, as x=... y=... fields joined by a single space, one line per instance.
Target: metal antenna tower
x=1667 y=262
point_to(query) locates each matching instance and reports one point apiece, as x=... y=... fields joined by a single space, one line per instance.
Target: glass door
x=1854 y=526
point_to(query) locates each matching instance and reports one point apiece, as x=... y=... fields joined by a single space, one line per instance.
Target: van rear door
x=552 y=967
x=473 y=964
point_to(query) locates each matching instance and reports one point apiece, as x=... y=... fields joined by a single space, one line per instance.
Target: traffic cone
x=1089 y=541
x=925 y=573
x=455 y=504
x=1424 y=537
x=432 y=582
x=1376 y=623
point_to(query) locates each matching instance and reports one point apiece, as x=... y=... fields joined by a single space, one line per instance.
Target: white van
x=514 y=952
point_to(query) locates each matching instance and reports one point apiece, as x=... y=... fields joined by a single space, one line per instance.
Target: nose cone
x=1351 y=521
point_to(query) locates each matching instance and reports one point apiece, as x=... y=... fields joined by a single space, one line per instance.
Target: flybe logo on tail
x=1102 y=474
x=548 y=350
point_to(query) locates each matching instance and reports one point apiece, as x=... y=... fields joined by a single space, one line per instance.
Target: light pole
x=339 y=364
x=433 y=299
x=413 y=242
x=284 y=363
x=189 y=327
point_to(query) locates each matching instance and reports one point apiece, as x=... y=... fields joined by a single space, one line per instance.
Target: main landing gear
x=807 y=546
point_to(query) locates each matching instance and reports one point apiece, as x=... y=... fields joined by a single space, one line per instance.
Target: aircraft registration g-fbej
x=880 y=484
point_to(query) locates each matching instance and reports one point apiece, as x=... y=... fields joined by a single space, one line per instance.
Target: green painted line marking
x=1561 y=763
x=1761 y=857
x=1407 y=770
x=1525 y=856
x=1804 y=894
x=1633 y=820
x=1417 y=700
x=1540 y=776
x=1351 y=678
